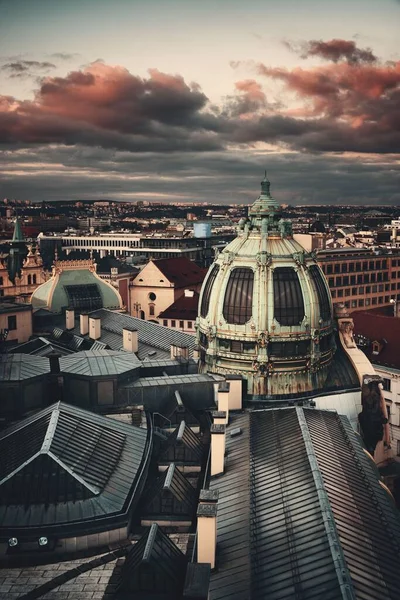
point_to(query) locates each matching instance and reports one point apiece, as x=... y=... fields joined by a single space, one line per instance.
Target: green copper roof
x=17 y=236
x=265 y=204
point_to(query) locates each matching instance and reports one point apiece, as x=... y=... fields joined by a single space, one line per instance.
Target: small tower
x=18 y=253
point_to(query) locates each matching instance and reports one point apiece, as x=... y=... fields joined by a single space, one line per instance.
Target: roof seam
x=339 y=560
x=51 y=428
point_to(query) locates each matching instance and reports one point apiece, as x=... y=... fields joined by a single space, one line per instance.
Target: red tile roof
x=383 y=329
x=181 y=271
x=185 y=308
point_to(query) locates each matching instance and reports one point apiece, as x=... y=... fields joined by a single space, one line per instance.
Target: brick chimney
x=69 y=318
x=84 y=323
x=217 y=449
x=130 y=340
x=94 y=328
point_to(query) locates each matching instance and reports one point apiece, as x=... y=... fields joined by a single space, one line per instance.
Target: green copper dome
x=265 y=308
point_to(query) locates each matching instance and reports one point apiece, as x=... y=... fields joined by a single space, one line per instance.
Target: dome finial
x=265 y=184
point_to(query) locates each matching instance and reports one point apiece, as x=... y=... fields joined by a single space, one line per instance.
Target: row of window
x=31 y=280
x=288 y=296
x=357 y=279
x=351 y=267
x=275 y=349
x=181 y=324
x=364 y=302
x=368 y=289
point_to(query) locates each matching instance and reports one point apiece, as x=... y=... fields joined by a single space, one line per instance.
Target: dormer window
x=376 y=347
x=238 y=301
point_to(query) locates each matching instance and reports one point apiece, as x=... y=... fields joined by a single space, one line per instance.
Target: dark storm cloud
x=334 y=50
x=219 y=177
x=24 y=68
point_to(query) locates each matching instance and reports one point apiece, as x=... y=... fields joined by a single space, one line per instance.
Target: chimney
x=235 y=392
x=223 y=399
x=84 y=323
x=130 y=340
x=219 y=417
x=207 y=532
x=208 y=496
x=69 y=318
x=217 y=449
x=197 y=581
x=94 y=328
x=179 y=352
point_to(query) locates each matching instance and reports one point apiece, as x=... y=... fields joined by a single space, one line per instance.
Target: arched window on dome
x=205 y=301
x=322 y=293
x=238 y=301
x=288 y=297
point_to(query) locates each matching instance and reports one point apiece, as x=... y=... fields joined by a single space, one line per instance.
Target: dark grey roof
x=16 y=367
x=151 y=335
x=183 y=446
x=170 y=484
x=99 y=363
x=65 y=466
x=301 y=512
x=73 y=342
x=154 y=564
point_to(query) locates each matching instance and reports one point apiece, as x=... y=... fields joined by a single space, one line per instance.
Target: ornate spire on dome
x=265 y=205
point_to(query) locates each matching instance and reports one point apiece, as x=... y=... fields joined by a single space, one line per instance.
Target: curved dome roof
x=265 y=309
x=75 y=284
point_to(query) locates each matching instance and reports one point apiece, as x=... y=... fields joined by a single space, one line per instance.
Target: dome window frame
x=288 y=298
x=237 y=306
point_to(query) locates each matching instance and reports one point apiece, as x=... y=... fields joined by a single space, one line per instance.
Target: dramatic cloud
x=334 y=50
x=24 y=68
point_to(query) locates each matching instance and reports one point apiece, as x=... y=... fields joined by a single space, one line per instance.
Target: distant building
x=15 y=322
x=182 y=313
x=75 y=284
x=361 y=278
x=160 y=283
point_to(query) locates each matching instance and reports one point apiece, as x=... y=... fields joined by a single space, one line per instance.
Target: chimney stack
x=130 y=340
x=235 y=392
x=94 y=328
x=84 y=323
x=69 y=318
x=217 y=449
x=223 y=399
x=219 y=417
x=207 y=532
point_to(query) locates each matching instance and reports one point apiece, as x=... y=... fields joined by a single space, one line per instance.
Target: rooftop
x=380 y=328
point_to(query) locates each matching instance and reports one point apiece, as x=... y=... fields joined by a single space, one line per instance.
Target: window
x=236 y=346
x=151 y=310
x=386 y=384
x=239 y=296
x=173 y=323
x=12 y=323
x=189 y=324
x=205 y=301
x=34 y=279
x=29 y=279
x=152 y=296
x=181 y=324
x=289 y=349
x=344 y=268
x=288 y=297
x=338 y=281
x=1 y=281
x=165 y=322
x=85 y=297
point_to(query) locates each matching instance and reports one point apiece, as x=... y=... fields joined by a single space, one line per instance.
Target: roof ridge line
x=22 y=466
x=335 y=546
x=71 y=472
x=49 y=435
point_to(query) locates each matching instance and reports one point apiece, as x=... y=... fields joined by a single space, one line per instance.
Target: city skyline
x=177 y=101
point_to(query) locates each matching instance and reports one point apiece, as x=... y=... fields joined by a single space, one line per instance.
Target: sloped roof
x=99 y=363
x=151 y=335
x=158 y=555
x=181 y=271
x=185 y=307
x=381 y=328
x=171 y=480
x=184 y=436
x=302 y=513
x=65 y=466
x=16 y=367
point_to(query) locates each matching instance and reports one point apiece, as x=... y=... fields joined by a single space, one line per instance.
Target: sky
x=188 y=101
